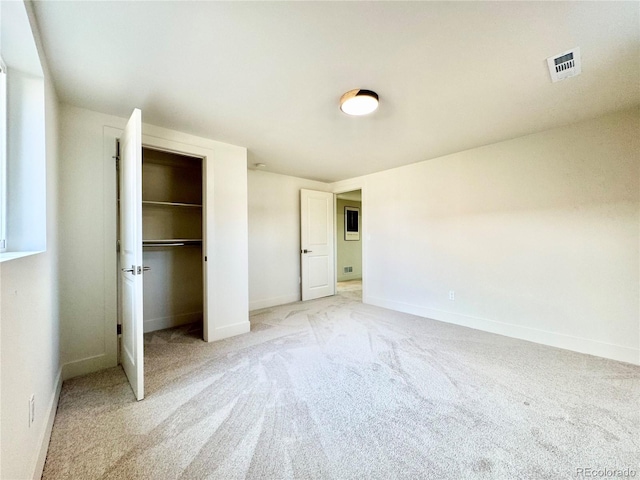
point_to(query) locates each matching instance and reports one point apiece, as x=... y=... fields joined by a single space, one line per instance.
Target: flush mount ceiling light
x=359 y=102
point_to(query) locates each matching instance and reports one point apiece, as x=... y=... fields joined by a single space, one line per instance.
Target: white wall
x=88 y=232
x=348 y=252
x=274 y=237
x=228 y=252
x=29 y=326
x=538 y=237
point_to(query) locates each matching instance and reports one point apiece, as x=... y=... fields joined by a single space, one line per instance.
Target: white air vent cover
x=565 y=65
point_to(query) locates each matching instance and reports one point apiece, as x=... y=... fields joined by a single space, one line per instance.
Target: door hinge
x=119 y=329
x=117 y=155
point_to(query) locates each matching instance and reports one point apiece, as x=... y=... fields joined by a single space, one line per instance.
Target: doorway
x=172 y=222
x=160 y=218
x=349 y=240
x=172 y=239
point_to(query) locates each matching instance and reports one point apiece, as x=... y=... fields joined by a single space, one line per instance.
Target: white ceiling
x=268 y=75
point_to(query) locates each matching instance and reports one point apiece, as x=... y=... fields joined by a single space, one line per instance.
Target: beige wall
x=29 y=325
x=348 y=253
x=538 y=237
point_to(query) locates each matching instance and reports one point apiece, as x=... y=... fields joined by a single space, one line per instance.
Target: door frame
x=204 y=220
x=363 y=231
x=112 y=313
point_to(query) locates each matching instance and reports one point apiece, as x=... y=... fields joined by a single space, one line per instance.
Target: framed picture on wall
x=351 y=223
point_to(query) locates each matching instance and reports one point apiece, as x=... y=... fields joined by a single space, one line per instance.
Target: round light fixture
x=359 y=102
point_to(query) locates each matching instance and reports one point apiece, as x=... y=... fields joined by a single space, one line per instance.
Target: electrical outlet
x=32 y=409
x=452 y=295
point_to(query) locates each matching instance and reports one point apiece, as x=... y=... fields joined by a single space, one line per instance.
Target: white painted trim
x=274 y=301
x=161 y=323
x=552 y=339
x=168 y=142
x=6 y=256
x=230 y=331
x=319 y=250
x=344 y=187
x=87 y=365
x=45 y=436
x=110 y=257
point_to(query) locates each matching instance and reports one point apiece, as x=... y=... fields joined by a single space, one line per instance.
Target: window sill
x=6 y=256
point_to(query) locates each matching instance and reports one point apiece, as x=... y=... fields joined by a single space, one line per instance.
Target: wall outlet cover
x=32 y=409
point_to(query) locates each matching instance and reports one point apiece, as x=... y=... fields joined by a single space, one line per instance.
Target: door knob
x=306 y=251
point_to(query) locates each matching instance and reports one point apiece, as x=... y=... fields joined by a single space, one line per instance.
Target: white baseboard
x=221 y=333
x=87 y=365
x=45 y=436
x=154 y=324
x=349 y=277
x=544 y=337
x=273 y=301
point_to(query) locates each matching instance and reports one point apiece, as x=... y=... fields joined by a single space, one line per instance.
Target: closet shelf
x=171 y=204
x=174 y=242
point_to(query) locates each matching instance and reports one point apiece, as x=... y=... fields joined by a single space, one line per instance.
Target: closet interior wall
x=172 y=239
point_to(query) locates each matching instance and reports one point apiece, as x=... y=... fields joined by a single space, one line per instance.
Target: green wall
x=349 y=252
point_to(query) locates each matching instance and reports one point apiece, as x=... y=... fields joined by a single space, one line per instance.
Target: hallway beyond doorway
x=351 y=289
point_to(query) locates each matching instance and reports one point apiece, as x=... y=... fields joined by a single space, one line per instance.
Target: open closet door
x=131 y=252
x=316 y=241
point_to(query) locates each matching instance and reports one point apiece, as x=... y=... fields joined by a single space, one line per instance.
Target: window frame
x=3 y=156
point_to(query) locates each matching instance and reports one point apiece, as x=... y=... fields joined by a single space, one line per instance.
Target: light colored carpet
x=350 y=286
x=333 y=389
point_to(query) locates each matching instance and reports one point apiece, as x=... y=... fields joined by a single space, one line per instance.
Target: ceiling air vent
x=565 y=65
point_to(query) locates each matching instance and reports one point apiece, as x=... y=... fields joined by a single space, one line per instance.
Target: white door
x=131 y=252
x=316 y=241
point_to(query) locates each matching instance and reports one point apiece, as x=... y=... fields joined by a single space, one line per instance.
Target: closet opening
x=172 y=213
x=172 y=241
